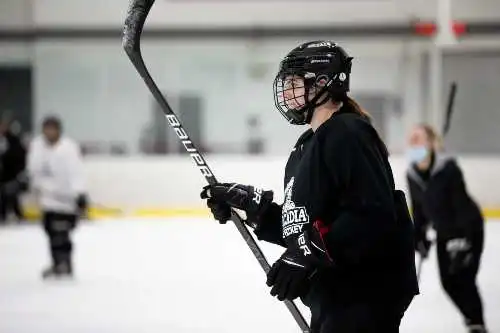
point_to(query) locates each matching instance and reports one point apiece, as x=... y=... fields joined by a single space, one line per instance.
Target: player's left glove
x=290 y=275
x=460 y=252
x=82 y=203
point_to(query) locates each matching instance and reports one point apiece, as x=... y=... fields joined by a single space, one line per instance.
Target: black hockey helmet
x=323 y=67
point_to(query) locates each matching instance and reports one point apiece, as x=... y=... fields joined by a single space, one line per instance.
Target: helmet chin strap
x=313 y=103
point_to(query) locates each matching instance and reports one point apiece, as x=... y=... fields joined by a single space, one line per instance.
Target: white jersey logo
x=289 y=204
x=293 y=217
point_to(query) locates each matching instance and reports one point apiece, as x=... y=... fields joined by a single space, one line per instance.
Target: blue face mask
x=417 y=154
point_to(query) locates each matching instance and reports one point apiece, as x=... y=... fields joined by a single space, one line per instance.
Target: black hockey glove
x=460 y=253
x=16 y=186
x=253 y=201
x=423 y=246
x=82 y=203
x=220 y=210
x=290 y=275
x=12 y=188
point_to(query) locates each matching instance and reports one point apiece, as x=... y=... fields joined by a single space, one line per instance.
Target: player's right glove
x=221 y=196
x=422 y=246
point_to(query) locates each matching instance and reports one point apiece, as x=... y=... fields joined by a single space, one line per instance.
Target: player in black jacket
x=13 y=179
x=438 y=194
x=347 y=231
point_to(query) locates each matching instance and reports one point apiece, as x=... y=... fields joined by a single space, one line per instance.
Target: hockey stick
x=136 y=17
x=421 y=262
x=419 y=268
x=449 y=108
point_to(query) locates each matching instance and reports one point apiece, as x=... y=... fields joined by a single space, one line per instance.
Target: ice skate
x=59 y=271
x=477 y=329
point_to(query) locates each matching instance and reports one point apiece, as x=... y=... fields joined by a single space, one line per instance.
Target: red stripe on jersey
x=322 y=229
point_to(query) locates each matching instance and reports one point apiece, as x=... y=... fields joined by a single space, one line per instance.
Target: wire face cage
x=290 y=96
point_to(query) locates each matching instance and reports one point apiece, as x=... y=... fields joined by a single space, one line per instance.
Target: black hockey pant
x=461 y=287
x=58 y=227
x=370 y=316
x=8 y=203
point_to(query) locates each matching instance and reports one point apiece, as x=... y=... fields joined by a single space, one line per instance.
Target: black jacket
x=441 y=197
x=340 y=174
x=12 y=157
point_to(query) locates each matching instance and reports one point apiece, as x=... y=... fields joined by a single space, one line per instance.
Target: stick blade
x=449 y=107
x=136 y=17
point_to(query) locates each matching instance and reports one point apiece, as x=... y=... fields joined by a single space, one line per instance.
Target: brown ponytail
x=354 y=106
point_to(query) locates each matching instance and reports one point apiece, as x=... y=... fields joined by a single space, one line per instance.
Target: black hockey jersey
x=440 y=196
x=12 y=157
x=340 y=175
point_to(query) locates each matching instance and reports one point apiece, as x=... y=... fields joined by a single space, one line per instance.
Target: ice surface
x=180 y=275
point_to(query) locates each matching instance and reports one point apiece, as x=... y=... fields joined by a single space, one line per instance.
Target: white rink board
x=170 y=182
x=182 y=275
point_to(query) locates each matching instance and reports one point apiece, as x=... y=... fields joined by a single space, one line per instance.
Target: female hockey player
x=56 y=174
x=347 y=232
x=438 y=194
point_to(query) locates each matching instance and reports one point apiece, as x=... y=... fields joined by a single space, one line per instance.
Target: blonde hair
x=435 y=139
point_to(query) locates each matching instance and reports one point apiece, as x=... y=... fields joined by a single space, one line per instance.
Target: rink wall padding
x=33 y=213
x=143 y=186
x=95 y=214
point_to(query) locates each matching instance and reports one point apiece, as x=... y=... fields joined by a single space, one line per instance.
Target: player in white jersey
x=57 y=178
